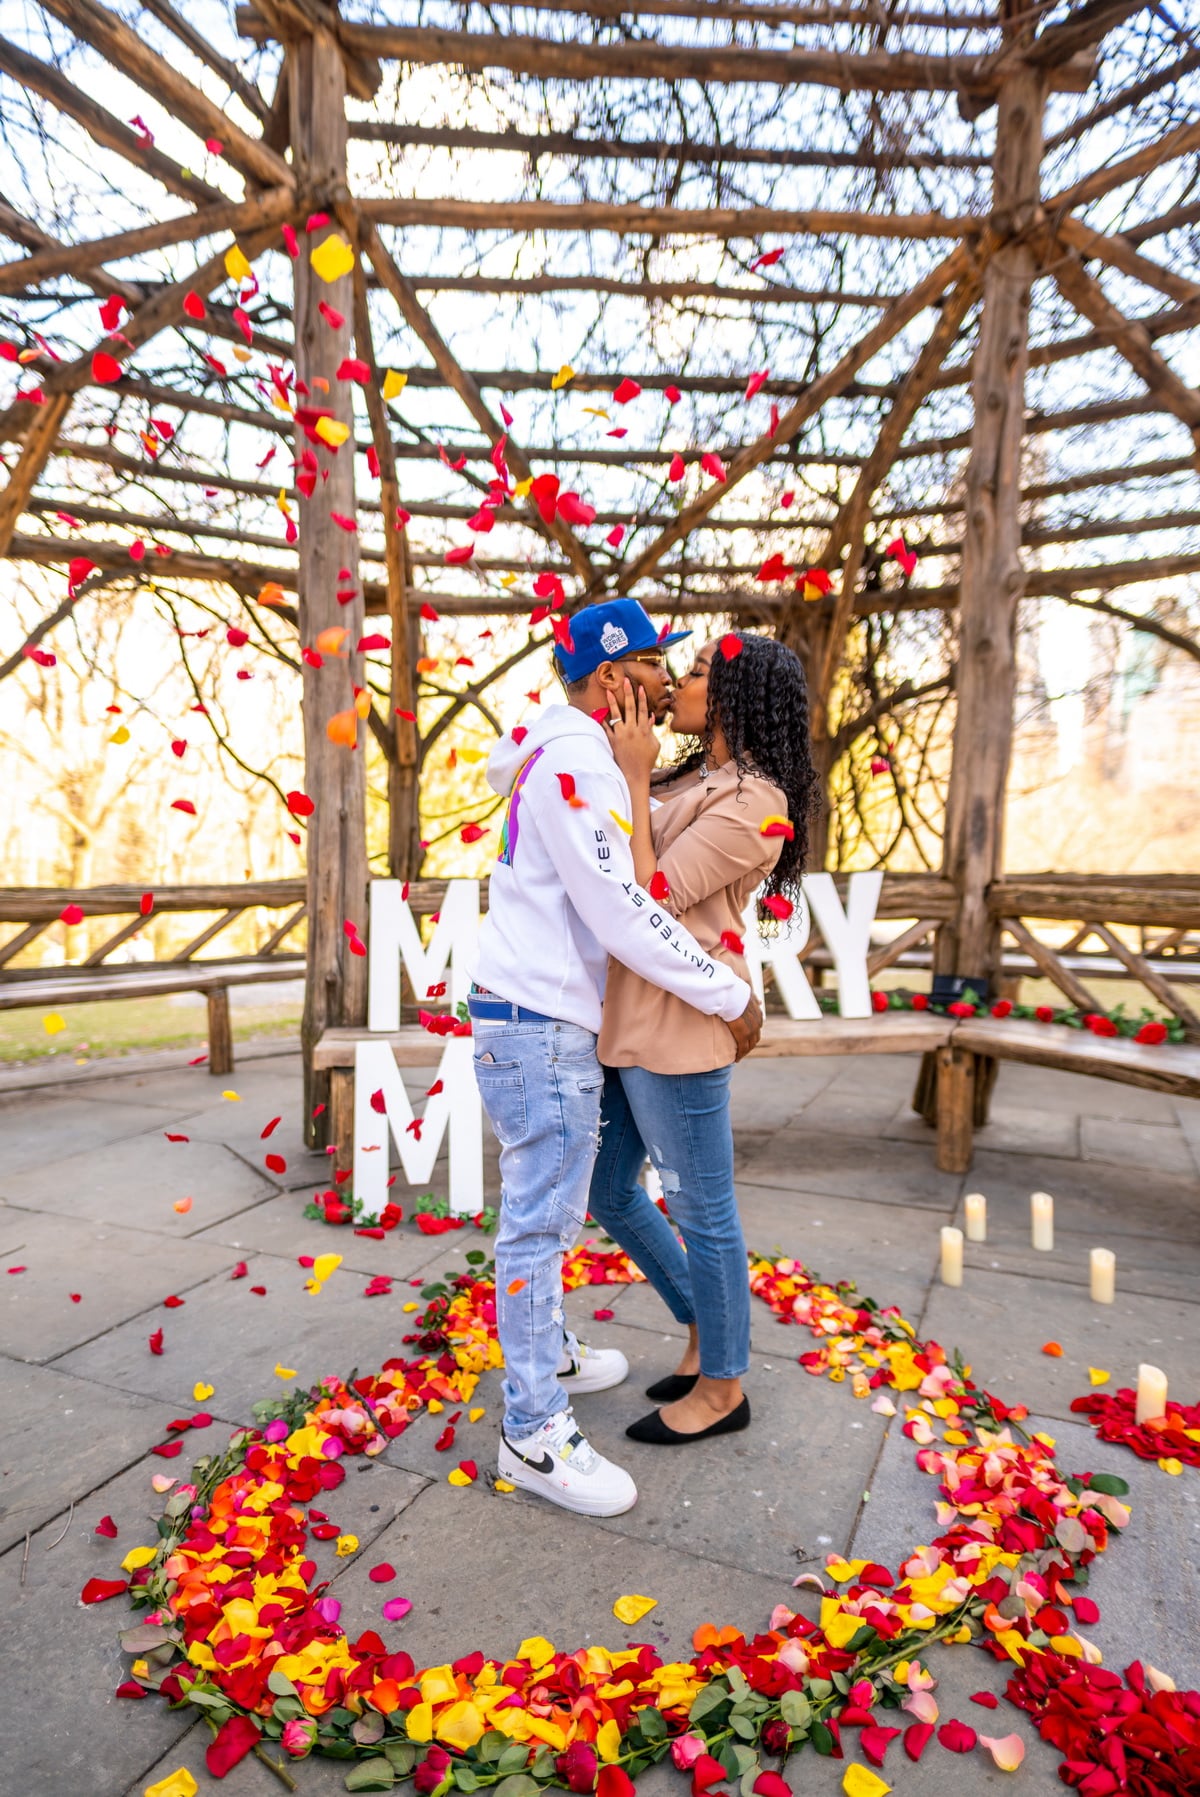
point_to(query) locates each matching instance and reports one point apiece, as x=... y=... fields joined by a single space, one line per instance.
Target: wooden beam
x=899 y=71
x=252 y=97
x=81 y=258
x=633 y=220
x=992 y=578
x=769 y=294
x=335 y=991
x=404 y=759
x=464 y=384
x=290 y=20
x=1056 y=971
x=1120 y=254
x=126 y=51
x=1153 y=981
x=19 y=229
x=1180 y=142
x=634 y=149
x=1177 y=219
x=1133 y=95
x=45 y=422
x=1129 y=340
x=101 y=125
x=730 y=12
x=848 y=533
x=898 y=314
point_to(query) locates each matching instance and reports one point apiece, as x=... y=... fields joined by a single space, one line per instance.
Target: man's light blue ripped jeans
x=540 y=1084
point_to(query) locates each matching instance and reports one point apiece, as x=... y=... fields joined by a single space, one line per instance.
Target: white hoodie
x=563 y=895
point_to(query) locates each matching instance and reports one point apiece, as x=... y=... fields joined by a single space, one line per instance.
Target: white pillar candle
x=1104 y=1275
x=1041 y=1213
x=952 y=1255
x=1151 y=1393
x=975 y=1205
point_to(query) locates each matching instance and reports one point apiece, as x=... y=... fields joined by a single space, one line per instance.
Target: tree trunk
x=992 y=581
x=335 y=986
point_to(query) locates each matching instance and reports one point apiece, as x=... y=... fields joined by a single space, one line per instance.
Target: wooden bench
x=39 y=909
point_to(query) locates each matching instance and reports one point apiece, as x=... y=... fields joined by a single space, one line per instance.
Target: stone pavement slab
x=232 y=1338
x=1148 y=1265
x=1157 y=1147
x=136 y=1180
x=278 y=1226
x=187 y=1089
x=769 y=1093
x=122 y=1273
x=1080 y=1094
x=62 y=1436
x=1010 y=1129
x=61 y=1662
x=1000 y=1321
x=787 y=1488
x=39 y=1129
x=853 y=1166
x=1106 y=1202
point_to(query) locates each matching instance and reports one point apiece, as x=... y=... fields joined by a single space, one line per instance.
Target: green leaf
x=402 y=1755
x=819 y=1689
x=795 y=1709
x=859 y=1639
x=475 y=1257
x=821 y=1738
x=728 y=1758
x=371 y=1775
x=464 y=1778
x=280 y=1685
x=744 y=1727
x=369 y=1728
x=519 y=1785
x=1109 y=1484
x=490 y=1746
x=707 y=1699
x=653 y=1726
x=287 y=1709
x=745 y=1758
x=748 y=1777
x=737 y=1681
x=515 y=1758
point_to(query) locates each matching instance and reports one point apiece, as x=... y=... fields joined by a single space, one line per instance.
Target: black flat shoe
x=661 y=1435
x=675 y=1385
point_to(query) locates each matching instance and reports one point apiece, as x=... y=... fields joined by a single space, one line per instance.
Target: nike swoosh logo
x=544 y=1465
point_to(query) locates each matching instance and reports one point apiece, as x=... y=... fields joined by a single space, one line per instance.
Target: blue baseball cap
x=606 y=633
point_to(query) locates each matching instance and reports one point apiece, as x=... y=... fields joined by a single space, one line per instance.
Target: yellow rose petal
x=332 y=431
x=236 y=1097
x=394 y=383
x=284 y=1372
x=473 y=1416
x=200 y=1391
x=236 y=265
x=536 y=1650
x=138 y=1556
x=176 y=1784
x=860 y=1781
x=566 y=373
x=456 y=1476
x=1169 y=1464
x=52 y=1023
x=503 y=1485
x=333 y=258
x=632 y=1608
x=120 y=734
x=346 y=1545
x=324 y=1265
x=1098 y=1376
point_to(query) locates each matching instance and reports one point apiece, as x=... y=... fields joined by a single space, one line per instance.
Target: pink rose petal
x=396 y=1609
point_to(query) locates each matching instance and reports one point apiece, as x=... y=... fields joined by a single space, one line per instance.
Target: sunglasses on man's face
x=651 y=659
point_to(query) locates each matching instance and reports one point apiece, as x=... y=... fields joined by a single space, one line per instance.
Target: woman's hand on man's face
x=631 y=727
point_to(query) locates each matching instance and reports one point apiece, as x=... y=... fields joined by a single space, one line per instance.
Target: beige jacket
x=709 y=845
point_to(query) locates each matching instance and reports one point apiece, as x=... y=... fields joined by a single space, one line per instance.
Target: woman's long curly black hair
x=759 y=697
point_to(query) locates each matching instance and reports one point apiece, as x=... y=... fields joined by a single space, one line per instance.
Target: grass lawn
x=132 y=1026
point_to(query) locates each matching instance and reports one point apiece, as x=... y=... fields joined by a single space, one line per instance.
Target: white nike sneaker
x=557 y=1463
x=591 y=1369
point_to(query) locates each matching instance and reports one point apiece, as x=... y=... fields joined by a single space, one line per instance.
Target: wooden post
x=335 y=989
x=992 y=581
x=955 y=1108
x=220 y=1031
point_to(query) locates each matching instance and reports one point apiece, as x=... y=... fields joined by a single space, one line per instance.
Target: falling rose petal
x=396 y=1609
x=730 y=645
x=1008 y=1751
x=382 y=1574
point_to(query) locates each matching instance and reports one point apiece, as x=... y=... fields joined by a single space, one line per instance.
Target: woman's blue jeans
x=682 y=1121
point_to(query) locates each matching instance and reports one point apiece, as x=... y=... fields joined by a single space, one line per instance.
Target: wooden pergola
x=973 y=166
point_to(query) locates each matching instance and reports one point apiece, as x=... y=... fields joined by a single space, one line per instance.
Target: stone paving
x=833 y=1168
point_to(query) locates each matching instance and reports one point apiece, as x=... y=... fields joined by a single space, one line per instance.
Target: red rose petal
x=98 y=1591
x=106 y=1527
x=382 y=1574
